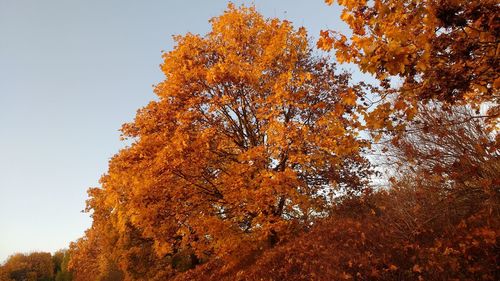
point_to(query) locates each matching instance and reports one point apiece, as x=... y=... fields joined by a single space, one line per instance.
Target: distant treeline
x=36 y=266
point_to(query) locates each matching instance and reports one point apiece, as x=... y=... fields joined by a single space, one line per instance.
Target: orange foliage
x=236 y=171
x=443 y=49
x=32 y=267
x=251 y=139
x=427 y=226
x=250 y=134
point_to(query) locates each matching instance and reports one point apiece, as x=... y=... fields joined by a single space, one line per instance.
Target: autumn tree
x=105 y=254
x=61 y=259
x=450 y=143
x=252 y=137
x=437 y=220
x=445 y=193
x=37 y=266
x=442 y=50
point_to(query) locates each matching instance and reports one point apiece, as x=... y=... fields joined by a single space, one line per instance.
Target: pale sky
x=71 y=72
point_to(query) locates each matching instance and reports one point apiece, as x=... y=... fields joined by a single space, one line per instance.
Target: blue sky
x=71 y=72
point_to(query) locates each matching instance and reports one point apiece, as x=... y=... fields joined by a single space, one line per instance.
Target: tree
x=251 y=138
x=61 y=259
x=443 y=50
x=37 y=266
x=437 y=220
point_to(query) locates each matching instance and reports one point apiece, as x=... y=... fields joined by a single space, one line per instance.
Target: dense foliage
x=37 y=266
x=444 y=50
x=251 y=140
x=439 y=219
x=253 y=163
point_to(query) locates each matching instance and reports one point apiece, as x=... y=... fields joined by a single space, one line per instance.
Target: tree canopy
x=443 y=49
x=440 y=50
x=252 y=138
x=253 y=162
x=36 y=266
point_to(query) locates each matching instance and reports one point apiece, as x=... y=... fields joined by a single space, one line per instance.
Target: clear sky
x=71 y=72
